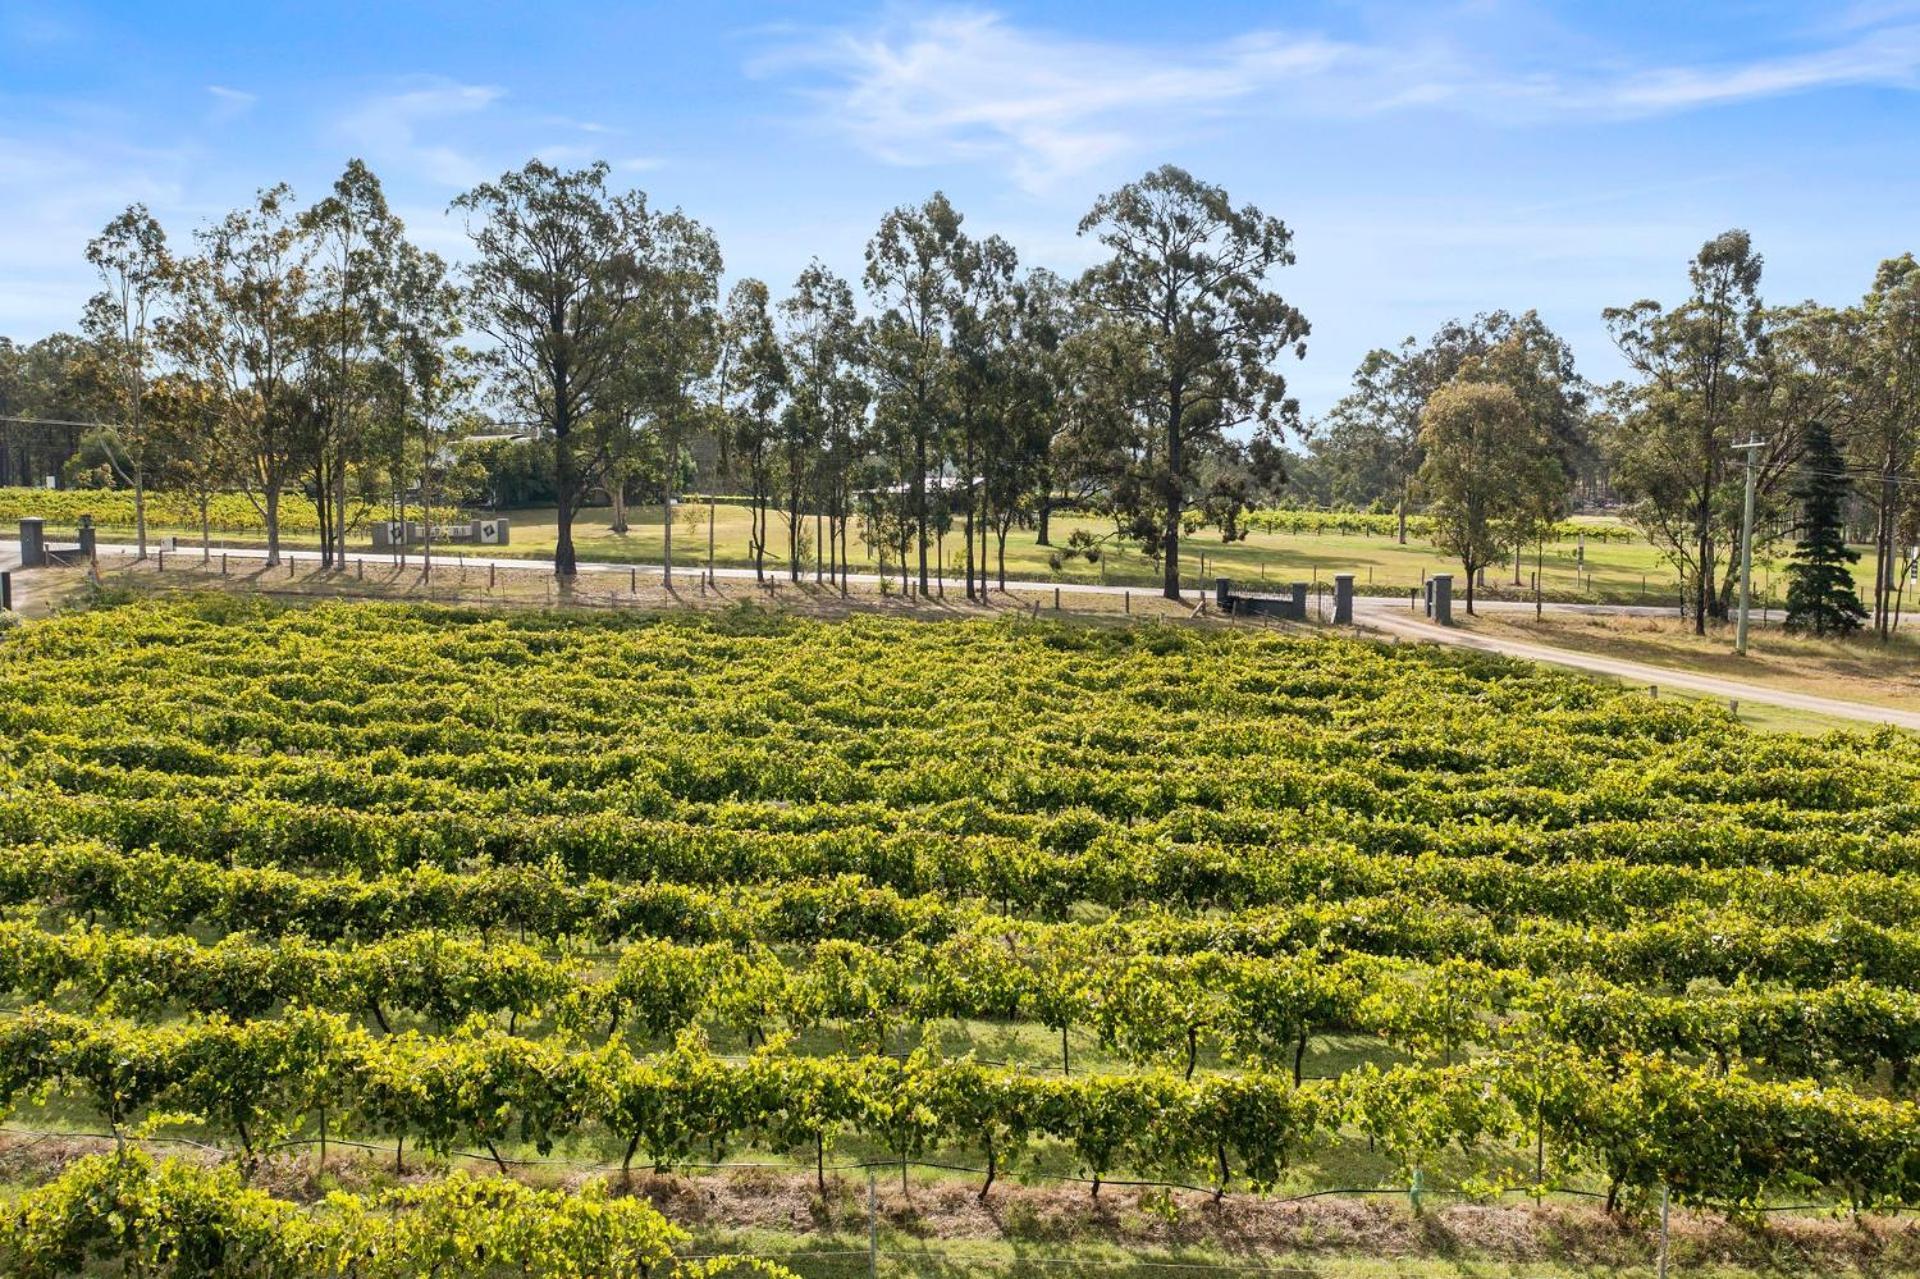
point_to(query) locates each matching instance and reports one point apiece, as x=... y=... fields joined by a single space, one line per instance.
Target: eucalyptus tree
x=753 y=385
x=238 y=325
x=1370 y=440
x=916 y=264
x=1092 y=436
x=979 y=322
x=184 y=415
x=1186 y=284
x=821 y=425
x=135 y=271
x=556 y=284
x=356 y=242
x=1696 y=362
x=1884 y=427
x=1489 y=470
x=431 y=377
x=678 y=344
x=1027 y=401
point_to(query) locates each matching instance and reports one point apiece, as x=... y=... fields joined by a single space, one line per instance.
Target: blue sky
x=1433 y=159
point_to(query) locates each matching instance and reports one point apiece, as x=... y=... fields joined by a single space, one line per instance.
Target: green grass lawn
x=1612 y=571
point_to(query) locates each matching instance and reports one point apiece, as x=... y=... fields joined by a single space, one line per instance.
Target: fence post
x=873 y=1228
x=6 y=592
x=1128 y=596
x=1665 y=1199
x=1056 y=599
x=223 y=563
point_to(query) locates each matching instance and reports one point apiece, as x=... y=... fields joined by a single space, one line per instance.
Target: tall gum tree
x=239 y=323
x=135 y=271
x=555 y=281
x=1186 y=282
x=1694 y=362
x=356 y=244
x=821 y=337
x=916 y=263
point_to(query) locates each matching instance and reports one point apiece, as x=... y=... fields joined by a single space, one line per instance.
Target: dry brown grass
x=1860 y=668
x=785 y=1204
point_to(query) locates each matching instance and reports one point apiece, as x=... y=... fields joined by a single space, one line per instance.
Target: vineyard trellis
x=662 y=889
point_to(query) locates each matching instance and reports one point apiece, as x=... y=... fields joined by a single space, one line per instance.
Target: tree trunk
x=1170 y=568
x=1045 y=518
x=140 y=509
x=793 y=530
x=272 y=502
x=323 y=511
x=564 y=483
x=920 y=501
x=969 y=532
x=617 y=491
x=1703 y=587
x=340 y=511
x=426 y=509
x=666 y=515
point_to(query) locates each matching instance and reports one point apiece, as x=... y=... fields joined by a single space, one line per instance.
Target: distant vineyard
x=226 y=513
x=1030 y=899
x=1376 y=524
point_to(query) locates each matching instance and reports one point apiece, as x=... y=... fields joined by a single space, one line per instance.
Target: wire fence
x=894 y=1165
x=972 y=1256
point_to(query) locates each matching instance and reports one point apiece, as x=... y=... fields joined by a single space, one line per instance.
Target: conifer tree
x=1821 y=597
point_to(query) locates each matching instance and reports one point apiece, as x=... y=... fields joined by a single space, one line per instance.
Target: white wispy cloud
x=1888 y=56
x=408 y=128
x=970 y=85
x=230 y=104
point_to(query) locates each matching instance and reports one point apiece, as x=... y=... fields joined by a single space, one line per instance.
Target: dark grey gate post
x=1443 y=598
x=88 y=541
x=33 y=542
x=1343 y=599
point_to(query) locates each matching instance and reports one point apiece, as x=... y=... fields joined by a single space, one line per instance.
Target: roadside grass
x=1859 y=668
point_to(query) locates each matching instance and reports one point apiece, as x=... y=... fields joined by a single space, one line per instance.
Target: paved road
x=1401 y=622
x=1382 y=613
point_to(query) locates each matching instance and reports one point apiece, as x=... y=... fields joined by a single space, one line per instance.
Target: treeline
x=1828 y=391
x=585 y=347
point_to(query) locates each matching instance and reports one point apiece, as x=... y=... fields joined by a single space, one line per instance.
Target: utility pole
x=1746 y=549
